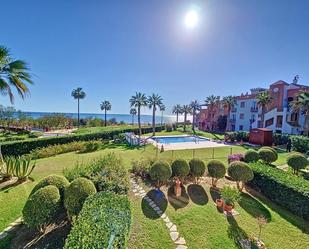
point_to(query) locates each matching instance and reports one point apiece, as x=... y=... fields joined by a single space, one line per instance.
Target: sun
x=191 y=19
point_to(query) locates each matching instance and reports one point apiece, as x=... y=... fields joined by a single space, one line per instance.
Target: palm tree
x=137 y=101
x=13 y=73
x=177 y=109
x=195 y=106
x=211 y=102
x=133 y=113
x=186 y=109
x=162 y=109
x=302 y=104
x=153 y=102
x=78 y=94
x=105 y=106
x=228 y=102
x=263 y=100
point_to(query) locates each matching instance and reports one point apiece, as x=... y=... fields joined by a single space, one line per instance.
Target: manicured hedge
x=288 y=191
x=18 y=148
x=104 y=222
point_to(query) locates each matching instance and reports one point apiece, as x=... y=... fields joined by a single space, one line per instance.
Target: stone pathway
x=180 y=242
x=10 y=228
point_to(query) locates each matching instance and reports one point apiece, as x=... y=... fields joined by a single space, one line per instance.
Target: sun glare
x=191 y=19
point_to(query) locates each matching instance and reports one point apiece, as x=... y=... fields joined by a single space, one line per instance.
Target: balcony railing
x=254 y=109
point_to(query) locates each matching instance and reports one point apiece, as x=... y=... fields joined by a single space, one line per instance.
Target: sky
x=113 y=49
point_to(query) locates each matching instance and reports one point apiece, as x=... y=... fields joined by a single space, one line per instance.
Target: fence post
x=213 y=153
x=157 y=151
x=231 y=151
x=193 y=153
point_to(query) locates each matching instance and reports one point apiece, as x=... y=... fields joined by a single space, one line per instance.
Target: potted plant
x=219 y=203
x=229 y=195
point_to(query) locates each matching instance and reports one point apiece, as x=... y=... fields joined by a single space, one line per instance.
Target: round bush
x=197 y=167
x=180 y=168
x=240 y=172
x=251 y=156
x=41 y=207
x=297 y=161
x=160 y=171
x=267 y=155
x=76 y=193
x=216 y=170
x=55 y=180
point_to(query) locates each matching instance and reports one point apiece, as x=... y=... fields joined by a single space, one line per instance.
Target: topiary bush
x=267 y=155
x=76 y=193
x=104 y=222
x=197 y=168
x=216 y=170
x=160 y=172
x=90 y=146
x=58 y=181
x=240 y=172
x=297 y=161
x=180 y=168
x=41 y=207
x=251 y=156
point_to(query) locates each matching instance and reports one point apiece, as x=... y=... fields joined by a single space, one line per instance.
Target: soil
x=4 y=185
x=53 y=237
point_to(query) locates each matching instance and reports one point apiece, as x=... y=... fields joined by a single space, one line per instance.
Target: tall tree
x=195 y=106
x=133 y=112
x=186 y=109
x=78 y=94
x=162 y=109
x=228 y=102
x=105 y=106
x=302 y=104
x=13 y=73
x=137 y=101
x=177 y=109
x=153 y=102
x=263 y=100
x=211 y=102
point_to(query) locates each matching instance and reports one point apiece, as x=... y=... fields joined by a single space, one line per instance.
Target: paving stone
x=169 y=225
x=181 y=247
x=174 y=235
x=157 y=208
x=167 y=220
x=163 y=216
x=143 y=195
x=173 y=228
x=9 y=228
x=134 y=190
x=3 y=235
x=180 y=241
x=151 y=203
x=159 y=212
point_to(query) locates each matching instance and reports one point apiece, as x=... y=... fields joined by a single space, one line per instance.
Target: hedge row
x=18 y=148
x=288 y=191
x=299 y=143
x=104 y=222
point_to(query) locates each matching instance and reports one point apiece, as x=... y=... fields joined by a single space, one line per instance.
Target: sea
x=126 y=118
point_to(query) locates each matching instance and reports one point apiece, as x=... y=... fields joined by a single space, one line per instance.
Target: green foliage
x=287 y=190
x=230 y=195
x=297 y=161
x=20 y=167
x=300 y=143
x=169 y=127
x=197 y=167
x=76 y=193
x=180 y=168
x=237 y=136
x=58 y=181
x=7 y=168
x=26 y=146
x=216 y=170
x=240 y=172
x=91 y=146
x=41 y=207
x=267 y=155
x=142 y=166
x=279 y=138
x=160 y=172
x=104 y=222
x=251 y=156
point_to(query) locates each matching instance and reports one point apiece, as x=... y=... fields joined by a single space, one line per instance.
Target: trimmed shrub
x=41 y=207
x=104 y=216
x=237 y=135
x=287 y=190
x=180 y=168
x=267 y=155
x=279 y=138
x=142 y=166
x=241 y=173
x=60 y=182
x=300 y=143
x=216 y=170
x=76 y=193
x=169 y=127
x=297 y=161
x=160 y=172
x=90 y=146
x=197 y=168
x=251 y=156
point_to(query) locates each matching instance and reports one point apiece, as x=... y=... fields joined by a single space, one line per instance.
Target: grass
x=85 y=130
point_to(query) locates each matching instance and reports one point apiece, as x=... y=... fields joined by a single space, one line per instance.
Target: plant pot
x=177 y=188
x=228 y=207
x=219 y=203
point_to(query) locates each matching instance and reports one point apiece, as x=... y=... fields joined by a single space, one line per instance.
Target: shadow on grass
x=197 y=194
x=178 y=202
x=158 y=197
x=235 y=232
x=214 y=193
x=253 y=207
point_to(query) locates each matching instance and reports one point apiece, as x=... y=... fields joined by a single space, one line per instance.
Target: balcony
x=254 y=109
x=234 y=110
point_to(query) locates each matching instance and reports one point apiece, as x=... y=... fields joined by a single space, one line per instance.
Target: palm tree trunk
x=161 y=118
x=262 y=118
x=185 y=122
x=176 y=120
x=227 y=128
x=132 y=119
x=193 y=121
x=139 y=123
x=78 y=112
x=105 y=118
x=306 y=125
x=154 y=120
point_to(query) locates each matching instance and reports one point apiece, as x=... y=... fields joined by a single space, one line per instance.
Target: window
x=269 y=122
x=241 y=127
x=234 y=116
x=241 y=116
x=233 y=127
x=242 y=104
x=279 y=121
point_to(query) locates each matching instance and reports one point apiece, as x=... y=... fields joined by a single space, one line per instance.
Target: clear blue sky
x=113 y=48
